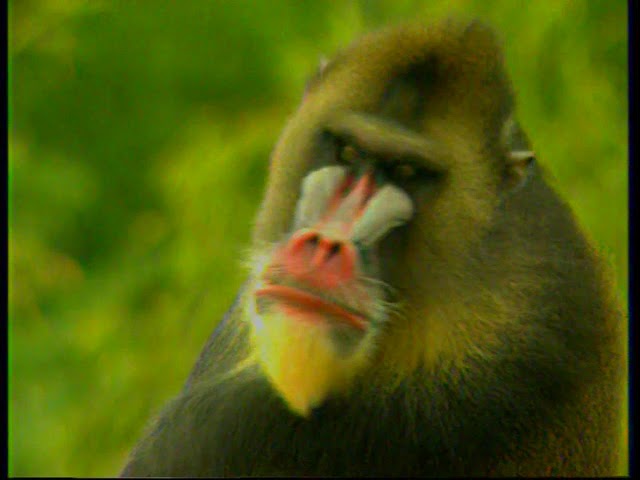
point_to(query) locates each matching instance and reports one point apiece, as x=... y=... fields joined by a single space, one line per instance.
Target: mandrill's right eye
x=348 y=155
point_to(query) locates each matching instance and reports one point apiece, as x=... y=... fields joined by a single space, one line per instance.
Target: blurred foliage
x=139 y=135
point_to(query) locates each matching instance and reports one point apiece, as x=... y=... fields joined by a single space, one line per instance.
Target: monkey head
x=390 y=170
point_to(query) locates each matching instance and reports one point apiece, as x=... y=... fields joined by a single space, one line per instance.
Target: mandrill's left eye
x=407 y=172
x=404 y=171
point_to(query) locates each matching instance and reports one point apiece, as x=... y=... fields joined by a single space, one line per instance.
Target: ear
x=519 y=156
x=519 y=164
x=317 y=76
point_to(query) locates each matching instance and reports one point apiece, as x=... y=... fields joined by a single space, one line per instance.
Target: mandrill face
x=317 y=297
x=369 y=190
x=325 y=270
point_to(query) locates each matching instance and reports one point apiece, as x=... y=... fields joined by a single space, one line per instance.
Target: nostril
x=335 y=249
x=319 y=260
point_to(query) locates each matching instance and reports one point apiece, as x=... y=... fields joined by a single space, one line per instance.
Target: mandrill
x=420 y=300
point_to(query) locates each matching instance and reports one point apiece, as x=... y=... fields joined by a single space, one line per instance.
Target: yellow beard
x=301 y=360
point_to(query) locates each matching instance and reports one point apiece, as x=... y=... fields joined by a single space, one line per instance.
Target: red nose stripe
x=364 y=188
x=310 y=301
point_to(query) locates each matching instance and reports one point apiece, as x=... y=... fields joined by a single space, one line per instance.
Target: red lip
x=311 y=301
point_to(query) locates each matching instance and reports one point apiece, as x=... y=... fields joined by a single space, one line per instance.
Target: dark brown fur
x=506 y=356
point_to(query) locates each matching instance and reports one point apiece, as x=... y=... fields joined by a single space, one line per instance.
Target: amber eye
x=348 y=154
x=404 y=171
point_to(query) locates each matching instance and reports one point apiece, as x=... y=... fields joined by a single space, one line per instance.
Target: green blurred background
x=139 y=135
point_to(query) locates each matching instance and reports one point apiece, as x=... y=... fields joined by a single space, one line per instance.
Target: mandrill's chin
x=307 y=355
